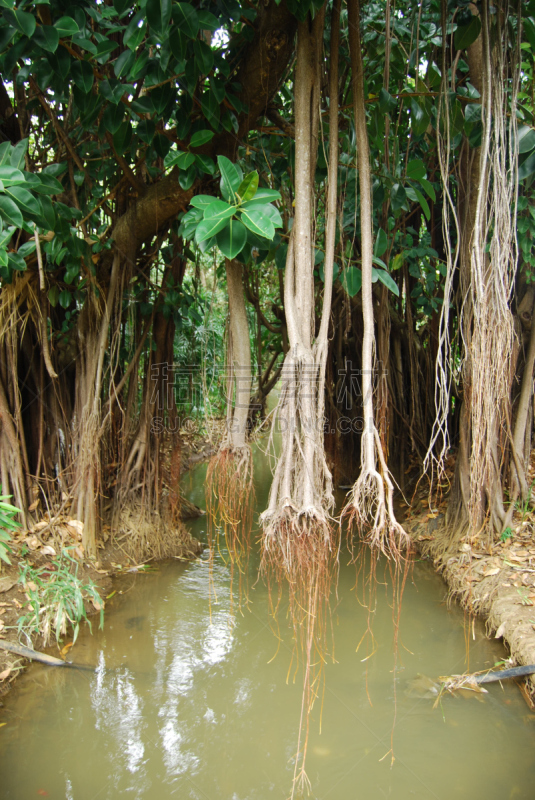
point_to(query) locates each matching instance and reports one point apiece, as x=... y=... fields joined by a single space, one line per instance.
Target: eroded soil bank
x=493 y=580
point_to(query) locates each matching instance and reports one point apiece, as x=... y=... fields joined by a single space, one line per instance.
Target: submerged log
x=27 y=652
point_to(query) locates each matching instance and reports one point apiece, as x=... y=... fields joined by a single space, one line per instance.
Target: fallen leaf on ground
x=5 y=674
x=2 y=625
x=7 y=583
x=65 y=650
x=491 y=571
x=48 y=550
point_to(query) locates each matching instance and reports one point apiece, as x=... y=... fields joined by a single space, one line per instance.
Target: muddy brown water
x=191 y=705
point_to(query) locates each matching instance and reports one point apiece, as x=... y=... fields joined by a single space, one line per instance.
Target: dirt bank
x=494 y=581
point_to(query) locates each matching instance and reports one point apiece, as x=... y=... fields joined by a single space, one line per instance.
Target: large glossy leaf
x=416 y=169
x=232 y=239
x=47 y=37
x=124 y=63
x=27 y=203
x=273 y=214
x=258 y=223
x=47 y=185
x=10 y=212
x=231 y=178
x=208 y=228
x=201 y=201
x=352 y=280
x=526 y=139
x=387 y=280
x=186 y=18
x=66 y=26
x=428 y=188
x=219 y=210
x=205 y=164
x=270 y=195
x=204 y=57
x=247 y=188
x=135 y=32
x=210 y=108
x=82 y=75
x=10 y=176
x=201 y=137
x=159 y=14
x=465 y=35
x=21 y=20
x=381 y=243
x=419 y=118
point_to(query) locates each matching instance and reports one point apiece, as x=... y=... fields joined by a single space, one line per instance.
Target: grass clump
x=56 y=598
x=7 y=524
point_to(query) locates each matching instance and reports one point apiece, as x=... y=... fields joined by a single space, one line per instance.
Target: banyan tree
x=355 y=177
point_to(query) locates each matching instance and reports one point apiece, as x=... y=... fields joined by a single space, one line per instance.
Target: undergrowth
x=56 y=598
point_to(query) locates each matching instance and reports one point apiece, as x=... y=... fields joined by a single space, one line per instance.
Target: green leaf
x=10 y=176
x=187 y=176
x=207 y=21
x=257 y=222
x=113 y=117
x=210 y=108
x=17 y=154
x=204 y=57
x=25 y=201
x=123 y=136
x=428 y=189
x=416 y=169
x=423 y=202
x=186 y=18
x=248 y=186
x=472 y=113
x=419 y=118
x=82 y=75
x=273 y=214
x=10 y=212
x=25 y=23
x=527 y=167
x=16 y=262
x=381 y=243
x=201 y=137
x=47 y=37
x=65 y=298
x=208 y=228
x=158 y=14
x=66 y=26
x=526 y=139
x=465 y=35
x=388 y=281
x=352 y=280
x=53 y=295
x=201 y=201
x=47 y=185
x=398 y=197
x=387 y=103
x=181 y=160
x=232 y=239
x=263 y=196
x=124 y=63
x=219 y=210
x=135 y=32
x=205 y=164
x=104 y=48
x=231 y=178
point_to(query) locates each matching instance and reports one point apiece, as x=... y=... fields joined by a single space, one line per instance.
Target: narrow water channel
x=191 y=704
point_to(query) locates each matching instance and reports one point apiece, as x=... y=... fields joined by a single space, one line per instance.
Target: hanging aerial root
x=370 y=509
x=300 y=550
x=229 y=504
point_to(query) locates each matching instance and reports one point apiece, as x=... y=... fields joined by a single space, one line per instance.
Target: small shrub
x=56 y=597
x=7 y=524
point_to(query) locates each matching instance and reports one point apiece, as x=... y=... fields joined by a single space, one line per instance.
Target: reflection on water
x=184 y=705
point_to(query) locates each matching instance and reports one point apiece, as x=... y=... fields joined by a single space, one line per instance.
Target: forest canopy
x=363 y=196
